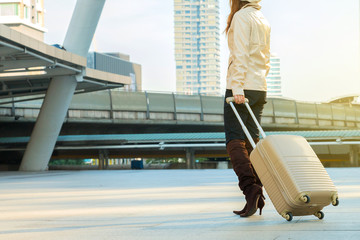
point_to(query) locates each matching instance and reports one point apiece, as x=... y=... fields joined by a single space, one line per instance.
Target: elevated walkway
x=118 y=112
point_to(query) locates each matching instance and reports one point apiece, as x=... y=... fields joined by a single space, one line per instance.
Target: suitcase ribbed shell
x=289 y=169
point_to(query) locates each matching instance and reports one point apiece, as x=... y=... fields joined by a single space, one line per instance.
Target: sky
x=317 y=42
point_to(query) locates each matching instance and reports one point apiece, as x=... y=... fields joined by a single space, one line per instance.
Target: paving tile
x=158 y=204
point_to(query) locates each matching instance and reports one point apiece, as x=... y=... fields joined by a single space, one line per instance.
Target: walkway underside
x=331 y=146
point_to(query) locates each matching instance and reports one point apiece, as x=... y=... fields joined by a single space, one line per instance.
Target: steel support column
x=61 y=89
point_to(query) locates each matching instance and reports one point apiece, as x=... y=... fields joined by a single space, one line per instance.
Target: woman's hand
x=239 y=99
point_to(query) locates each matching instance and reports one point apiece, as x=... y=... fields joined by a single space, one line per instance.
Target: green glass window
x=9 y=9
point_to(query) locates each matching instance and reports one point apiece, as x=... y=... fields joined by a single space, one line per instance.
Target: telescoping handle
x=230 y=100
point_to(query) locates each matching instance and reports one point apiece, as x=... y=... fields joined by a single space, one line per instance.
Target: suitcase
x=292 y=174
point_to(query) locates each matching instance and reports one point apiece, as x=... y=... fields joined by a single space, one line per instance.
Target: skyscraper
x=197 y=46
x=26 y=16
x=273 y=80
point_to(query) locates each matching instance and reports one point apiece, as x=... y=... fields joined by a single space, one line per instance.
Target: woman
x=248 y=35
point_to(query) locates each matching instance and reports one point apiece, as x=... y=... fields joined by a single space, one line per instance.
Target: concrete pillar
x=190 y=158
x=61 y=89
x=106 y=159
x=103 y=159
x=354 y=155
x=48 y=124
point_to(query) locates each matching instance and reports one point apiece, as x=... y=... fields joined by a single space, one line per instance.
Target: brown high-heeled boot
x=242 y=211
x=253 y=194
x=242 y=166
x=249 y=149
x=241 y=163
x=261 y=205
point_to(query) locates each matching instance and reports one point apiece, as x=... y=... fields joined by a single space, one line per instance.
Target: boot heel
x=253 y=196
x=261 y=203
x=252 y=208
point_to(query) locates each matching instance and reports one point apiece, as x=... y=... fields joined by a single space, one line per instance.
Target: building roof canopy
x=348 y=99
x=27 y=66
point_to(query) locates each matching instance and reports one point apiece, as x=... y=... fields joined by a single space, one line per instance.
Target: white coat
x=249 y=45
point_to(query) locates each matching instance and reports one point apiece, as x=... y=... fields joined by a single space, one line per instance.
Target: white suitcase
x=292 y=174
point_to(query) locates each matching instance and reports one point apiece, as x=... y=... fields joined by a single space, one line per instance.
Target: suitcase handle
x=230 y=100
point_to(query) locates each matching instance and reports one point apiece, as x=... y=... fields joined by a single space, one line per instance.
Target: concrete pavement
x=158 y=204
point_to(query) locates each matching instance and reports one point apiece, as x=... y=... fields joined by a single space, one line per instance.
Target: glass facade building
x=117 y=63
x=273 y=80
x=26 y=16
x=197 y=46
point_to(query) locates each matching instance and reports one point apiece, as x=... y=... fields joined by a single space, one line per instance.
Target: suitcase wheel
x=319 y=215
x=335 y=202
x=288 y=216
x=305 y=199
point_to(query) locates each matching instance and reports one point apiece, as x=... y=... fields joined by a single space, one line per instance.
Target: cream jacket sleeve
x=241 y=52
